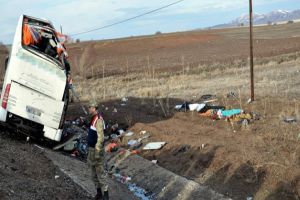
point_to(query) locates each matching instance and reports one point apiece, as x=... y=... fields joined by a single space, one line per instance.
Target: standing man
x=96 y=151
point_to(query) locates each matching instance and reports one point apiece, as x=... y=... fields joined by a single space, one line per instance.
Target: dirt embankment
x=25 y=173
x=261 y=160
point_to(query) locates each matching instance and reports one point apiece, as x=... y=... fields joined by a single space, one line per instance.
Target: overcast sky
x=81 y=15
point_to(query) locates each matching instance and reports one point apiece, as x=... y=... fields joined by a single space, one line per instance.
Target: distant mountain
x=269 y=18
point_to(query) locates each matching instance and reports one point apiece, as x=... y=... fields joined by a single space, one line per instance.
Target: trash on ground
x=199 y=107
x=208 y=97
x=184 y=107
x=115 y=110
x=143 y=132
x=74 y=138
x=134 y=152
x=41 y=148
x=132 y=142
x=130 y=133
x=124 y=99
x=290 y=120
x=56 y=176
x=154 y=145
x=111 y=147
x=229 y=113
x=196 y=107
x=121 y=178
x=137 y=191
x=208 y=108
x=181 y=149
x=140 y=192
x=232 y=95
x=70 y=146
x=154 y=161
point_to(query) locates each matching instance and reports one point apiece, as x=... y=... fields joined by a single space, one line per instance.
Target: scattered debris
x=154 y=161
x=199 y=107
x=121 y=131
x=74 y=139
x=70 y=146
x=154 y=145
x=203 y=146
x=137 y=191
x=41 y=148
x=143 y=132
x=232 y=95
x=124 y=99
x=196 y=107
x=121 y=178
x=208 y=97
x=229 y=113
x=181 y=149
x=132 y=142
x=130 y=133
x=290 y=120
x=140 y=192
x=115 y=110
x=111 y=147
x=56 y=176
x=135 y=144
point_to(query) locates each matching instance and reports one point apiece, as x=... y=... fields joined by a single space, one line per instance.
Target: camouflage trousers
x=97 y=168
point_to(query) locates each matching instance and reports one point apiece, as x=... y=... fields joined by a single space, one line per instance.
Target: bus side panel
x=37 y=73
x=34 y=106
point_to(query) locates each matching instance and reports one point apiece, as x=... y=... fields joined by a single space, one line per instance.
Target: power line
x=128 y=19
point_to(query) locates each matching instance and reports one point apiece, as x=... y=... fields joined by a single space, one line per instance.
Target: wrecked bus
x=34 y=97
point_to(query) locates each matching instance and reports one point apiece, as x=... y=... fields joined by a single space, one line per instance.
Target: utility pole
x=251 y=50
x=61 y=29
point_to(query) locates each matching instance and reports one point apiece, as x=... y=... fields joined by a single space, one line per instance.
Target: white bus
x=34 y=96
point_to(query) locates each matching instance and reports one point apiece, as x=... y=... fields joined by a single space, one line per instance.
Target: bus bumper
x=53 y=134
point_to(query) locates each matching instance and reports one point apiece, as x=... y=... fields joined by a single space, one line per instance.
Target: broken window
x=41 y=37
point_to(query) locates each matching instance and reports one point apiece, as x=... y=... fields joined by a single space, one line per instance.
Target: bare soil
x=26 y=173
x=260 y=161
x=172 y=52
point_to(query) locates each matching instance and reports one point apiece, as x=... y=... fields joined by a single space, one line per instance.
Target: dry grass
x=278 y=77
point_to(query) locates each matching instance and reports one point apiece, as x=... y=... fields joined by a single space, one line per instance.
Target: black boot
x=99 y=195
x=105 y=196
